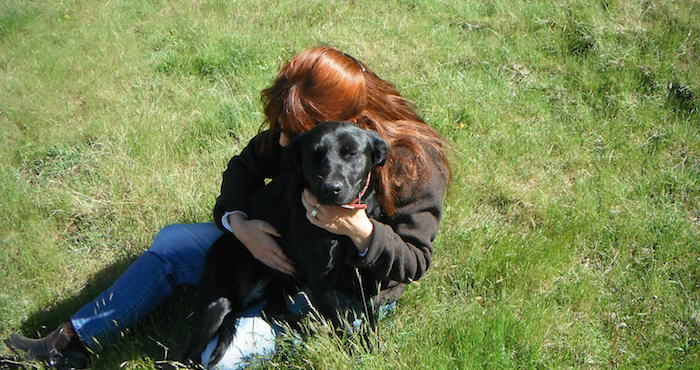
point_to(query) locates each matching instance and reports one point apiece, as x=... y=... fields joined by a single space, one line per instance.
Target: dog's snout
x=332 y=187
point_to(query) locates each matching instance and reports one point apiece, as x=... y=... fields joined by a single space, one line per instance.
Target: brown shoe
x=48 y=349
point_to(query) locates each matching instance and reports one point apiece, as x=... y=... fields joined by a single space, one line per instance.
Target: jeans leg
x=175 y=257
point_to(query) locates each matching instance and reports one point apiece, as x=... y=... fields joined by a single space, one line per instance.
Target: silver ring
x=314 y=213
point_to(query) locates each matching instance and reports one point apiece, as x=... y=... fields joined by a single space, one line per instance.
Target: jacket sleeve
x=246 y=173
x=401 y=247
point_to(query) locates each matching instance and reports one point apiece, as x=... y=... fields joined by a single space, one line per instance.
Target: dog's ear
x=380 y=148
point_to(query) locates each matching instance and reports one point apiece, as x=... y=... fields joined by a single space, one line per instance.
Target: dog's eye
x=348 y=152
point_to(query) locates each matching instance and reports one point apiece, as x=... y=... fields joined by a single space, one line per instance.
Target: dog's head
x=336 y=159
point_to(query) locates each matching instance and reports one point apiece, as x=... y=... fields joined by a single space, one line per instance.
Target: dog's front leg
x=327 y=304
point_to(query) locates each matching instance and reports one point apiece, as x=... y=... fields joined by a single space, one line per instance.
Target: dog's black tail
x=212 y=318
x=227 y=331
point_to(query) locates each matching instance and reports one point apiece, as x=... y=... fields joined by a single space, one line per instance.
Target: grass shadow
x=45 y=320
x=163 y=335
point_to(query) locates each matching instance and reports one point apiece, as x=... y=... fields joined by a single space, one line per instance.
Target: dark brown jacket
x=402 y=244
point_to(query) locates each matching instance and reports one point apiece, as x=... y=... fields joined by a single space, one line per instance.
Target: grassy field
x=571 y=235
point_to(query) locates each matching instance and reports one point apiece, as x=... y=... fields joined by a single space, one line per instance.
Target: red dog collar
x=355 y=203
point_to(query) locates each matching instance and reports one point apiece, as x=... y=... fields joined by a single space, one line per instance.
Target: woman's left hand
x=352 y=223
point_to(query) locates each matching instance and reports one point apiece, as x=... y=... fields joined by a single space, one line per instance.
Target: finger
x=311 y=220
x=305 y=202
x=333 y=219
x=286 y=268
x=274 y=251
x=279 y=255
x=281 y=264
x=310 y=197
x=315 y=220
x=269 y=259
x=268 y=229
x=316 y=215
x=313 y=212
x=273 y=265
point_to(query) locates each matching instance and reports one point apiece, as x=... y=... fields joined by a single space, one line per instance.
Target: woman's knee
x=167 y=238
x=185 y=243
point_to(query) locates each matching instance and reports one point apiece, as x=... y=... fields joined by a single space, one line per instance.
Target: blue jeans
x=175 y=257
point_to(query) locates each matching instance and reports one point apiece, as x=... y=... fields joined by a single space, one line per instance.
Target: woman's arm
x=246 y=173
x=399 y=248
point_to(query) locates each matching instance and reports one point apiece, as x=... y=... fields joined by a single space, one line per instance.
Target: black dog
x=334 y=160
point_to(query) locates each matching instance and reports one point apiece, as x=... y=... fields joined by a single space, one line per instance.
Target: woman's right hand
x=256 y=236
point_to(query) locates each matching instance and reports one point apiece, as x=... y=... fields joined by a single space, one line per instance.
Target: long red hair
x=325 y=84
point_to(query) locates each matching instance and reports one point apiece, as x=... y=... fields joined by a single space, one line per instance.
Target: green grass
x=571 y=229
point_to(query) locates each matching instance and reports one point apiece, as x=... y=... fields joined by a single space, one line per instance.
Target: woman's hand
x=353 y=223
x=255 y=235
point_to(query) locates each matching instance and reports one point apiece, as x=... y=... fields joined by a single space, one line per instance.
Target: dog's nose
x=332 y=188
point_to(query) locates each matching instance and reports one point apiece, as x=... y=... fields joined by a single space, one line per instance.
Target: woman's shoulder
x=265 y=143
x=264 y=136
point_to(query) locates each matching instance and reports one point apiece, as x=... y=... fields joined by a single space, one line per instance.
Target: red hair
x=325 y=84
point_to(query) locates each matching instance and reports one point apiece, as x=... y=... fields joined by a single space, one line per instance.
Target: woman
x=319 y=84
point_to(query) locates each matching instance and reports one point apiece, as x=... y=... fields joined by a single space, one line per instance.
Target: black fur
x=333 y=161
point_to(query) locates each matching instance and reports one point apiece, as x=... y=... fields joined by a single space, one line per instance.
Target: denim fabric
x=175 y=257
